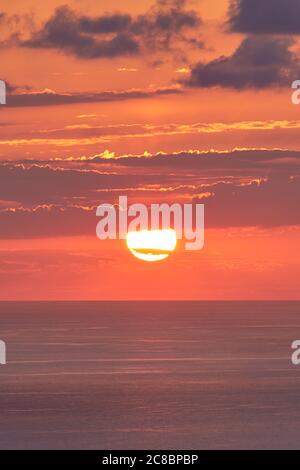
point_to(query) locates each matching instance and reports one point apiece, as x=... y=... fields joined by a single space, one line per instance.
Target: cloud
x=105 y=24
x=265 y=203
x=47 y=222
x=64 y=31
x=259 y=62
x=165 y=23
x=160 y=29
x=36 y=184
x=111 y=131
x=61 y=182
x=48 y=97
x=265 y=16
x=238 y=162
x=91 y=133
x=268 y=203
x=254 y=161
x=239 y=188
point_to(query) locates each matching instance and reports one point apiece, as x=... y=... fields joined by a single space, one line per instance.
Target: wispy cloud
x=85 y=133
x=49 y=97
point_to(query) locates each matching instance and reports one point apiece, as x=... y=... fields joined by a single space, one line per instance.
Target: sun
x=152 y=245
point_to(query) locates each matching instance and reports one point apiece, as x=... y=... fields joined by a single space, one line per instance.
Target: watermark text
x=2 y=92
x=117 y=220
x=2 y=353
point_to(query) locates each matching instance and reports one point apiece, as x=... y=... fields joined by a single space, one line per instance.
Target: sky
x=162 y=101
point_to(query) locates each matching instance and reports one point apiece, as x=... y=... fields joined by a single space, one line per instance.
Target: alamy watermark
x=296 y=354
x=296 y=93
x=117 y=220
x=2 y=92
x=2 y=353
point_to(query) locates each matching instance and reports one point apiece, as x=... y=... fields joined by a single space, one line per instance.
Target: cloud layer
x=20 y=98
x=56 y=198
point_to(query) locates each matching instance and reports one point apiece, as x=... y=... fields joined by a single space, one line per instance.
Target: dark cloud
x=265 y=16
x=36 y=184
x=259 y=62
x=105 y=24
x=47 y=222
x=113 y=35
x=59 y=197
x=254 y=161
x=23 y=98
x=64 y=30
x=166 y=22
x=269 y=203
x=30 y=182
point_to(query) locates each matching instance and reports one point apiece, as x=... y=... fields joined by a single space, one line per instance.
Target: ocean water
x=149 y=375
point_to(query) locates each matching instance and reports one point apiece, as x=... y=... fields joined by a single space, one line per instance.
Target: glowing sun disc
x=151 y=245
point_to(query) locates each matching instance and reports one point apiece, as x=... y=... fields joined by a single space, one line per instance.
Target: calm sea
x=149 y=375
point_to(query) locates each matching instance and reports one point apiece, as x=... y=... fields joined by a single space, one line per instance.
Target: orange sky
x=65 y=107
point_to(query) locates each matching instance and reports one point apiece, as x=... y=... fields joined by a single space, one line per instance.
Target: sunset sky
x=163 y=101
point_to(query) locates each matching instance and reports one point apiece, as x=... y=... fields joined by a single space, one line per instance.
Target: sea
x=149 y=375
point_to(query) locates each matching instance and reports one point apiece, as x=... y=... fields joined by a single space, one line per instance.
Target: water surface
x=149 y=375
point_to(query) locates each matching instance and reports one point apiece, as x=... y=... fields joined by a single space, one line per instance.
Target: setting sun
x=152 y=245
